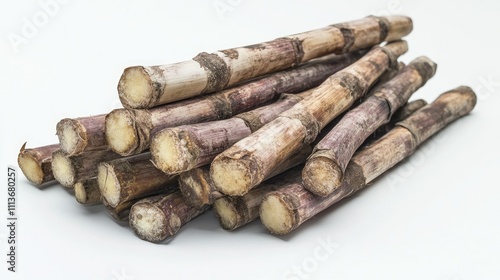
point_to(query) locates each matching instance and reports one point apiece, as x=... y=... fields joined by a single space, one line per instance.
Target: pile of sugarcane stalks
x=279 y=130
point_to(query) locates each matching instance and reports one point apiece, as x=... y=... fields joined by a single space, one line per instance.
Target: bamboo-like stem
x=82 y=134
x=401 y=114
x=183 y=148
x=36 y=163
x=324 y=170
x=236 y=211
x=125 y=179
x=156 y=218
x=390 y=73
x=87 y=192
x=146 y=87
x=245 y=164
x=198 y=189
x=179 y=149
x=68 y=170
x=285 y=210
x=129 y=131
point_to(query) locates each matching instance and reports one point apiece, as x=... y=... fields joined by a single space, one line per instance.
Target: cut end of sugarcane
x=63 y=169
x=135 y=88
x=71 y=136
x=226 y=213
x=148 y=222
x=230 y=176
x=276 y=215
x=170 y=152
x=120 y=132
x=321 y=176
x=80 y=193
x=108 y=184
x=31 y=168
x=87 y=192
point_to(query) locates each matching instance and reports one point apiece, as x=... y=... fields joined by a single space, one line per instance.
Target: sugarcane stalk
x=324 y=170
x=285 y=210
x=245 y=164
x=146 y=87
x=236 y=211
x=82 y=134
x=156 y=218
x=198 y=189
x=179 y=149
x=129 y=131
x=68 y=170
x=36 y=163
x=401 y=114
x=390 y=73
x=124 y=179
x=87 y=192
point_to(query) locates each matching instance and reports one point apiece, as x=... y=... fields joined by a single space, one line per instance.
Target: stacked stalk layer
x=245 y=164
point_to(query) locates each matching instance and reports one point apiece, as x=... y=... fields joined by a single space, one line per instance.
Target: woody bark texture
x=324 y=169
x=284 y=210
x=183 y=148
x=236 y=211
x=156 y=218
x=401 y=114
x=120 y=213
x=199 y=190
x=146 y=87
x=245 y=164
x=129 y=131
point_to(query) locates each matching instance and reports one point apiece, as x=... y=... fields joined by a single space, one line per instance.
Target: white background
x=436 y=216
